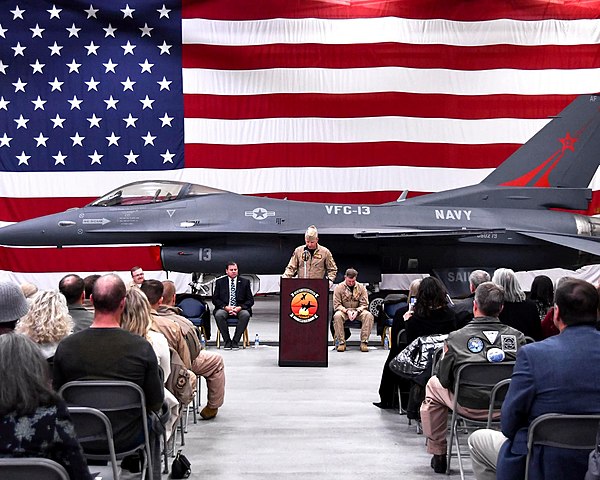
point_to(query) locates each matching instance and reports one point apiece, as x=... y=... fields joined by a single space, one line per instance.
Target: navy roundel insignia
x=475 y=345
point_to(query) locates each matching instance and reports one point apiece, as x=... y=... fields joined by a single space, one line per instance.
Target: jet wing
x=585 y=244
x=415 y=232
x=400 y=232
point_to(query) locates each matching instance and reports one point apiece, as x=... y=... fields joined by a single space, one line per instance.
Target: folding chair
x=93 y=426
x=194 y=309
x=32 y=468
x=118 y=400
x=498 y=393
x=348 y=324
x=391 y=304
x=577 y=432
x=483 y=376
x=232 y=322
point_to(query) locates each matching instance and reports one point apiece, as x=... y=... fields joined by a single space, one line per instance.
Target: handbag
x=181 y=467
x=416 y=360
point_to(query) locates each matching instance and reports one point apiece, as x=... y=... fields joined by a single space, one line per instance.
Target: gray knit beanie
x=12 y=302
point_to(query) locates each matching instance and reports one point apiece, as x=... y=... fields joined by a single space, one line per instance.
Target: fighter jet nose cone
x=34 y=232
x=13 y=235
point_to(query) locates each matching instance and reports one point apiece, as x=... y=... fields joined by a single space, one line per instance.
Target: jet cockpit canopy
x=153 y=191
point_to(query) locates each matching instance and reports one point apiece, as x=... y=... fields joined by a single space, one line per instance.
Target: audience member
x=136 y=318
x=430 y=313
x=206 y=364
x=88 y=283
x=73 y=288
x=557 y=375
x=34 y=420
x=137 y=277
x=232 y=297
x=548 y=327
x=13 y=306
x=47 y=322
x=399 y=322
x=153 y=289
x=464 y=308
x=542 y=294
x=168 y=309
x=351 y=302
x=518 y=312
x=104 y=351
x=388 y=386
x=311 y=260
x=476 y=342
x=29 y=290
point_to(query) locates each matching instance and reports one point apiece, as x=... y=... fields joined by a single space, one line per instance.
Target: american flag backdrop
x=335 y=100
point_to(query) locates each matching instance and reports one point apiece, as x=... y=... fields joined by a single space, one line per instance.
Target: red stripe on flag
x=346 y=155
x=17 y=209
x=84 y=259
x=389 y=54
x=378 y=104
x=422 y=9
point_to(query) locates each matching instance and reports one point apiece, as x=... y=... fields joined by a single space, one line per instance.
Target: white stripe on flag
x=391 y=79
x=390 y=29
x=256 y=180
x=353 y=130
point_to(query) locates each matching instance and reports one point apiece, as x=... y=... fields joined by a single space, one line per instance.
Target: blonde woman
x=47 y=322
x=137 y=319
x=518 y=312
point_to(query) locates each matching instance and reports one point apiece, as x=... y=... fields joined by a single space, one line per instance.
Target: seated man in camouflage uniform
x=351 y=302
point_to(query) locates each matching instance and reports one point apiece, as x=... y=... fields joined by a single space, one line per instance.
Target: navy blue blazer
x=558 y=375
x=243 y=293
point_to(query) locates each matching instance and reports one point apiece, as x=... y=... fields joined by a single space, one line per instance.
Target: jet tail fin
x=565 y=153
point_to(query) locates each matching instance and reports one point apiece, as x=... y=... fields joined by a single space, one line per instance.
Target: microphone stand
x=305 y=255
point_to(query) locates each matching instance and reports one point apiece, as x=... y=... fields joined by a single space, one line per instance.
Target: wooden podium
x=303 y=322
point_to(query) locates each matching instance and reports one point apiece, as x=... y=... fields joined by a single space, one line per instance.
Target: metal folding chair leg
x=245 y=339
x=165 y=453
x=182 y=429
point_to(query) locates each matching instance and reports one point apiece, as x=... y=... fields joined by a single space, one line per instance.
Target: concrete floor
x=291 y=422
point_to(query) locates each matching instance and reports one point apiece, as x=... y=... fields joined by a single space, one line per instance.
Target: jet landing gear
x=204 y=283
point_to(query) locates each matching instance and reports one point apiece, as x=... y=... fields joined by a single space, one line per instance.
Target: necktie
x=232 y=293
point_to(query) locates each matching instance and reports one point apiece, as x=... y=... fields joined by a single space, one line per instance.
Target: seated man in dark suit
x=557 y=375
x=232 y=297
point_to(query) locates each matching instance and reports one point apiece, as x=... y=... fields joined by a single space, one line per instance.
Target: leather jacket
x=471 y=344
